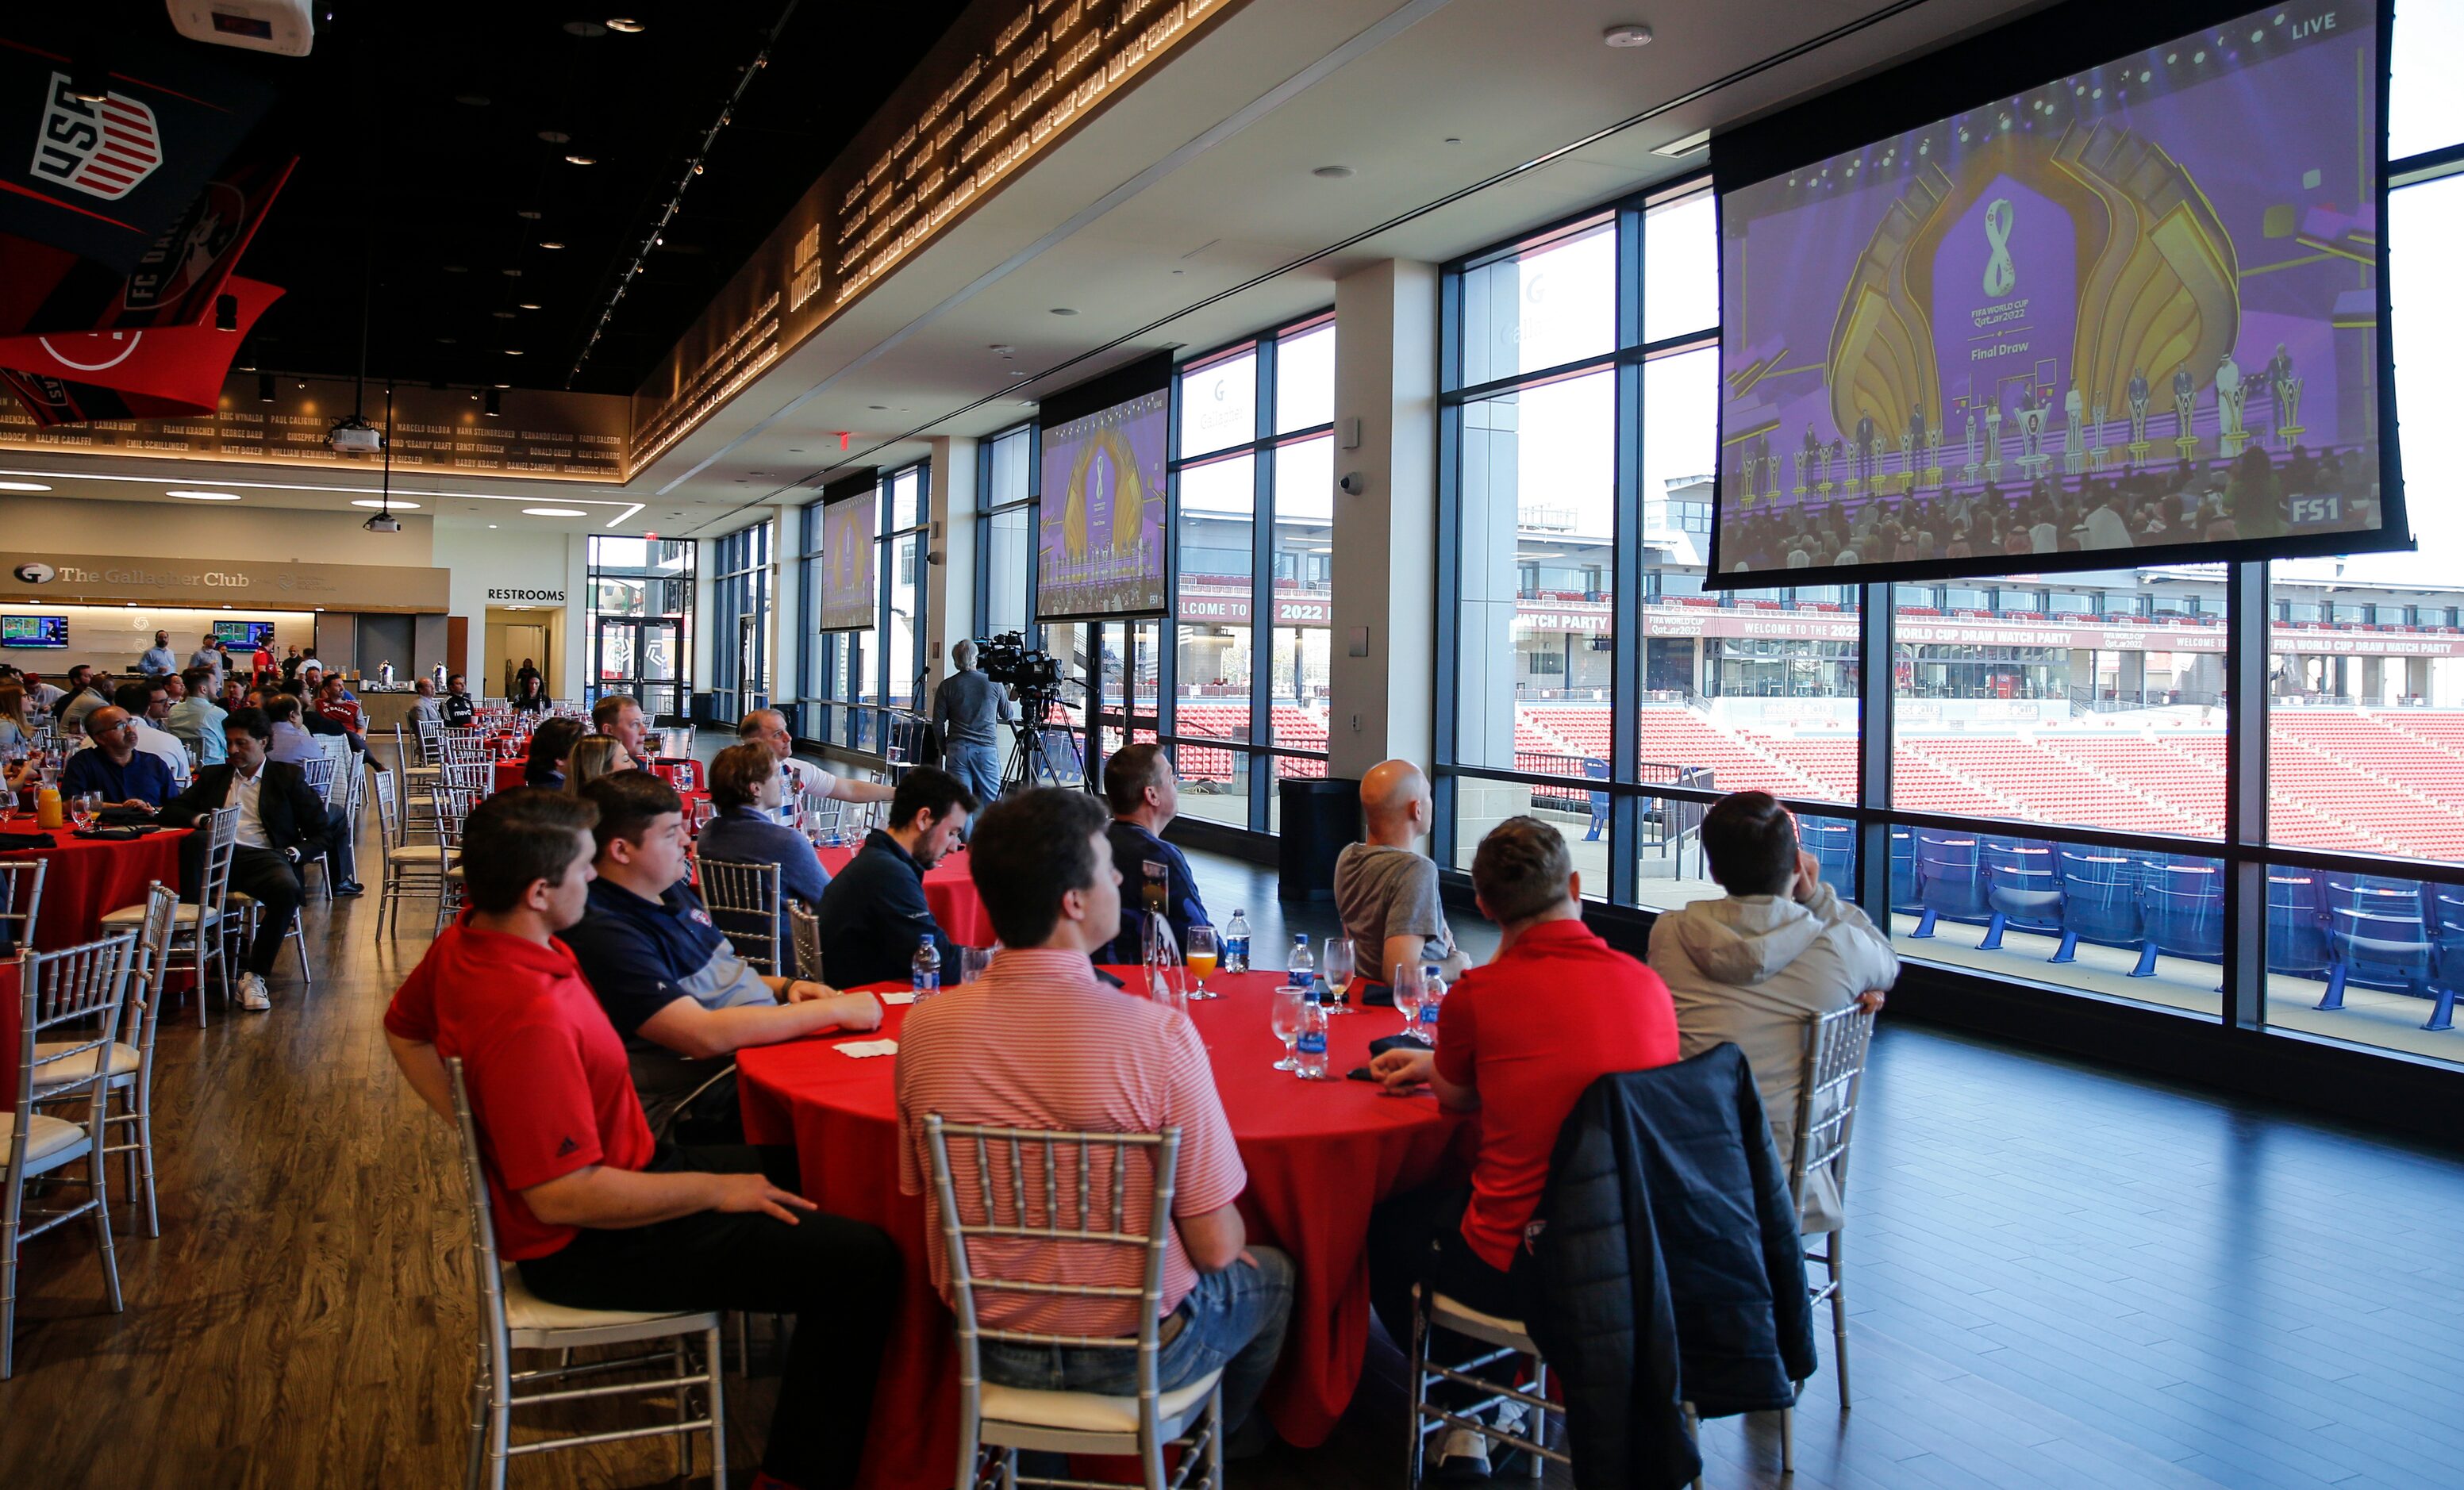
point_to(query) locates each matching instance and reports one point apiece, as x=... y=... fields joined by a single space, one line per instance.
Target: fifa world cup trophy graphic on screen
x=2115 y=296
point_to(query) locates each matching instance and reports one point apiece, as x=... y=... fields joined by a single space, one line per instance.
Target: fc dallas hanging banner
x=130 y=374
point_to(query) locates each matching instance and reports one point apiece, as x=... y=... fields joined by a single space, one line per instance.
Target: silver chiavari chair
x=805 y=927
x=21 y=902
x=75 y=988
x=742 y=897
x=511 y=1319
x=128 y=1070
x=1003 y=1204
x=1828 y=1083
x=199 y=930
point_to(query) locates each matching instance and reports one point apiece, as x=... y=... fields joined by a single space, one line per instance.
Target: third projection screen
x=1101 y=551
x=2133 y=309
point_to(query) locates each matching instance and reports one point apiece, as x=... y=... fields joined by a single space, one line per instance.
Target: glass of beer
x=1201 y=960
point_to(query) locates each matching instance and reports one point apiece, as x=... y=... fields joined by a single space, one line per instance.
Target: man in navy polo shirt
x=674 y=989
x=874 y=915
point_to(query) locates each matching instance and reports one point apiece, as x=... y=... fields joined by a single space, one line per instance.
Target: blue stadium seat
x=1903 y=870
x=2181 y=909
x=2380 y=930
x=2447 y=932
x=1833 y=843
x=1950 y=881
x=2023 y=888
x=2297 y=943
x=2100 y=901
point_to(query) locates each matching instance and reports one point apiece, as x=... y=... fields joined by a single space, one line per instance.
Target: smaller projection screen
x=1101 y=551
x=848 y=526
x=49 y=631
x=2100 y=288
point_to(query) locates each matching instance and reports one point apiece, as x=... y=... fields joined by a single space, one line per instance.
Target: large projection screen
x=2128 y=313
x=849 y=527
x=1101 y=551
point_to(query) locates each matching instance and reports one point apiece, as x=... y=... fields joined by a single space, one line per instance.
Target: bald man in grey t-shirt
x=1386 y=889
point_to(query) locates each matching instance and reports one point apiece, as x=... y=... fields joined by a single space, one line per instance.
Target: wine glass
x=1339 y=974
x=1201 y=958
x=1290 y=999
x=82 y=809
x=1407 y=997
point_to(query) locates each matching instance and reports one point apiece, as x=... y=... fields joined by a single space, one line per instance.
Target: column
x=949 y=582
x=1384 y=608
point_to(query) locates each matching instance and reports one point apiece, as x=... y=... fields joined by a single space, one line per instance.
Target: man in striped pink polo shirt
x=1039 y=1042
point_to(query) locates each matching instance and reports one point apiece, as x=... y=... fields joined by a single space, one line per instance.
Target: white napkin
x=894 y=1000
x=862 y=1048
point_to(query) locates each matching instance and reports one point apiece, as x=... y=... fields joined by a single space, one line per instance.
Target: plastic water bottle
x=924 y=970
x=1301 y=966
x=1236 y=943
x=1433 y=992
x=1309 y=1049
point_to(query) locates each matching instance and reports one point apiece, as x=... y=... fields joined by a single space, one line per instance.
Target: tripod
x=1030 y=764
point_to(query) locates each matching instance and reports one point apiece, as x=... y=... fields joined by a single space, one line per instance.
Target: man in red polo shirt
x=596 y=1214
x=1518 y=1040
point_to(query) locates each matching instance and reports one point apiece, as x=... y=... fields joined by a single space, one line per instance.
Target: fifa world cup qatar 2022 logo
x=2001 y=275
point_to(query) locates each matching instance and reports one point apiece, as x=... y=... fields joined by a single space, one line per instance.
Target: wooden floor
x=2058 y=1277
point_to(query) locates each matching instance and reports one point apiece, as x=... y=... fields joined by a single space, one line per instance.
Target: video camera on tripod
x=1007 y=660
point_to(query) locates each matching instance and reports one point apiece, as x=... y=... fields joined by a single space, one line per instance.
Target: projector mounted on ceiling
x=352 y=436
x=383 y=522
x=283 y=27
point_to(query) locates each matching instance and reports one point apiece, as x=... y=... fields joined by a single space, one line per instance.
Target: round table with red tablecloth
x=949 y=890
x=91 y=877
x=1319 y=1155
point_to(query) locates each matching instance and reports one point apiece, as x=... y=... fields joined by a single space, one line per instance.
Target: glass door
x=640 y=657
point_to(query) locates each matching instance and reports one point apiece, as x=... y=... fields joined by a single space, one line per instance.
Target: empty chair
x=1836 y=1045
x=2297 y=943
x=128 y=1070
x=74 y=994
x=21 y=903
x=2379 y=930
x=2182 y=911
x=1903 y=870
x=743 y=899
x=1951 y=879
x=2100 y=900
x=2023 y=888
x=806 y=930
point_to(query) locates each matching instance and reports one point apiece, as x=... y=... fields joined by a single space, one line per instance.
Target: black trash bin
x=1321 y=814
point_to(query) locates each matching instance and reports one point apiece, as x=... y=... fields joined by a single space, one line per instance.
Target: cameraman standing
x=969 y=709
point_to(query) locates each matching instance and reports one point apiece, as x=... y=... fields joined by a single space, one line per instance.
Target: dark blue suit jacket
x=1134 y=848
x=873 y=915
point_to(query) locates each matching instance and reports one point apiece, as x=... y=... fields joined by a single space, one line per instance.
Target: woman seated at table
x=593 y=756
x=743 y=781
x=16 y=731
x=549 y=746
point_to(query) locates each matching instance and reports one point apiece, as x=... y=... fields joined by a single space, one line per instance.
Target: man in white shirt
x=41 y=694
x=802 y=778
x=159 y=659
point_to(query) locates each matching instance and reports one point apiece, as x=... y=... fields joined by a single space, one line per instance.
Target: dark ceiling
x=420 y=130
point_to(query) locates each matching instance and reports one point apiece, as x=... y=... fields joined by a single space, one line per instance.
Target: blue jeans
x=1233 y=1319
x=977 y=768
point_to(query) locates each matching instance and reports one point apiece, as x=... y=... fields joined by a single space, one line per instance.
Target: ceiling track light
x=696 y=164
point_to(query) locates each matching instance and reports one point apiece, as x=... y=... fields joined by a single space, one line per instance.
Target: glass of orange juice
x=1201 y=958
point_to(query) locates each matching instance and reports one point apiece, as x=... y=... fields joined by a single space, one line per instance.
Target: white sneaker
x=1462 y=1455
x=253 y=996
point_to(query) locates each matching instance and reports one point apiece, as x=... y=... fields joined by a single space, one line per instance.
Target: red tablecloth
x=949 y=890
x=509 y=774
x=1319 y=1156
x=89 y=878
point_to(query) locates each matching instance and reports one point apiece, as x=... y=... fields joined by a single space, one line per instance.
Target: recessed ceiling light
x=581 y=159
x=556 y=137
x=554 y=511
x=491 y=525
x=206 y=496
x=551 y=243
x=396 y=503
x=1685 y=147
x=625 y=24
x=1062 y=310
x=878 y=408
x=513 y=351
x=1627 y=35
x=529 y=305
x=1332 y=172
x=23 y=486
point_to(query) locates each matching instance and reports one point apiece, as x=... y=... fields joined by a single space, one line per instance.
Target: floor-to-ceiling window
x=1253 y=486
x=641 y=622
x=739 y=645
x=858 y=682
x=2054 y=807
